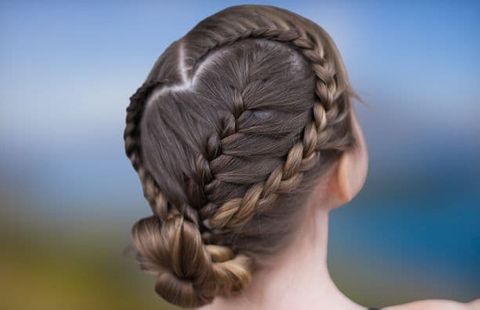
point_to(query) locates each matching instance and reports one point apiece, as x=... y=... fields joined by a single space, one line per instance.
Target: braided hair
x=228 y=133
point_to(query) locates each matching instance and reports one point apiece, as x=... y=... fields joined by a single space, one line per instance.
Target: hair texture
x=228 y=134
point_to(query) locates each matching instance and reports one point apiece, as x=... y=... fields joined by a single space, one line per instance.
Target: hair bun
x=189 y=273
x=174 y=251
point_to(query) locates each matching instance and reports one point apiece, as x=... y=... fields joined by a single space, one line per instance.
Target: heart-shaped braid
x=179 y=243
x=234 y=213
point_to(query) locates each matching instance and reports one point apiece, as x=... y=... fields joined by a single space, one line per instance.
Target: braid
x=234 y=213
x=173 y=232
x=131 y=134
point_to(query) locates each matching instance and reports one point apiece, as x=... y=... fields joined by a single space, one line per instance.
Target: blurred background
x=69 y=195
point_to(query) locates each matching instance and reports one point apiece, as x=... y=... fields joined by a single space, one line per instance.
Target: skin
x=298 y=278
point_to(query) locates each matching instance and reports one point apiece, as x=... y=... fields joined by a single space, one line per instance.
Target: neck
x=296 y=278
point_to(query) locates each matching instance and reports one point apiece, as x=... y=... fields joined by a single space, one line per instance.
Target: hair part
x=234 y=125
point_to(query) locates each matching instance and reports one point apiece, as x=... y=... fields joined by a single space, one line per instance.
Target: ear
x=350 y=171
x=344 y=181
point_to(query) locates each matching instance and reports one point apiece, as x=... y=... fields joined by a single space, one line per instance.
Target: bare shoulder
x=437 y=304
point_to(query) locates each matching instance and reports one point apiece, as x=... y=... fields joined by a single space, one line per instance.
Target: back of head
x=232 y=127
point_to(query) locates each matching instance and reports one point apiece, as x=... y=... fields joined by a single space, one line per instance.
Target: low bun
x=189 y=273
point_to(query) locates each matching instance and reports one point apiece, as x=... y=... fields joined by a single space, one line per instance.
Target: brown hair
x=228 y=134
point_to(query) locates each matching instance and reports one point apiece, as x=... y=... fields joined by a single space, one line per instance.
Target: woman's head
x=234 y=126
